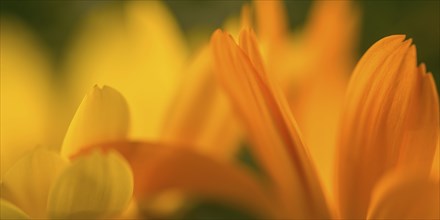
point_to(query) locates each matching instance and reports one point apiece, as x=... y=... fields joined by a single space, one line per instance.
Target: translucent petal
x=102 y=117
x=94 y=186
x=272 y=129
x=139 y=52
x=391 y=121
x=29 y=180
x=9 y=211
x=25 y=72
x=406 y=196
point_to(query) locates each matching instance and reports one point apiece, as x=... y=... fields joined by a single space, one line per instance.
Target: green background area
x=56 y=21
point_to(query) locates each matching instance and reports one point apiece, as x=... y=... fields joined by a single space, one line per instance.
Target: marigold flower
x=178 y=133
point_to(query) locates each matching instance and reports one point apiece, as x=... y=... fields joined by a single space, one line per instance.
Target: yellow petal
x=10 y=211
x=25 y=71
x=272 y=129
x=390 y=121
x=406 y=196
x=139 y=52
x=102 y=117
x=200 y=116
x=28 y=182
x=94 y=186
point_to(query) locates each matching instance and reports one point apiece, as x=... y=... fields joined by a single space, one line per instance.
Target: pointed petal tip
x=217 y=32
x=400 y=37
x=107 y=110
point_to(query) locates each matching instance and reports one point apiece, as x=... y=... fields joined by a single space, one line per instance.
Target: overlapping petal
x=390 y=122
x=406 y=196
x=28 y=182
x=272 y=129
x=93 y=186
x=10 y=211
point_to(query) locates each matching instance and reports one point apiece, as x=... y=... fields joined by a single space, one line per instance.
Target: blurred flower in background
x=175 y=123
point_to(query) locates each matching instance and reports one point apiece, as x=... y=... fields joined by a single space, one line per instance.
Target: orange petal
x=272 y=129
x=390 y=121
x=406 y=196
x=422 y=125
x=332 y=30
x=271 y=20
x=201 y=116
x=158 y=168
x=325 y=63
x=435 y=171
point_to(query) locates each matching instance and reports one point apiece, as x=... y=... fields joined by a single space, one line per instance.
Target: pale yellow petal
x=406 y=196
x=93 y=186
x=139 y=52
x=200 y=116
x=25 y=71
x=10 y=211
x=390 y=121
x=272 y=129
x=102 y=117
x=28 y=182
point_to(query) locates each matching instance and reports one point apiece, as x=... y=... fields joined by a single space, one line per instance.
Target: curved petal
x=391 y=117
x=139 y=52
x=102 y=116
x=28 y=182
x=201 y=116
x=24 y=72
x=10 y=211
x=93 y=186
x=158 y=168
x=272 y=129
x=406 y=196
